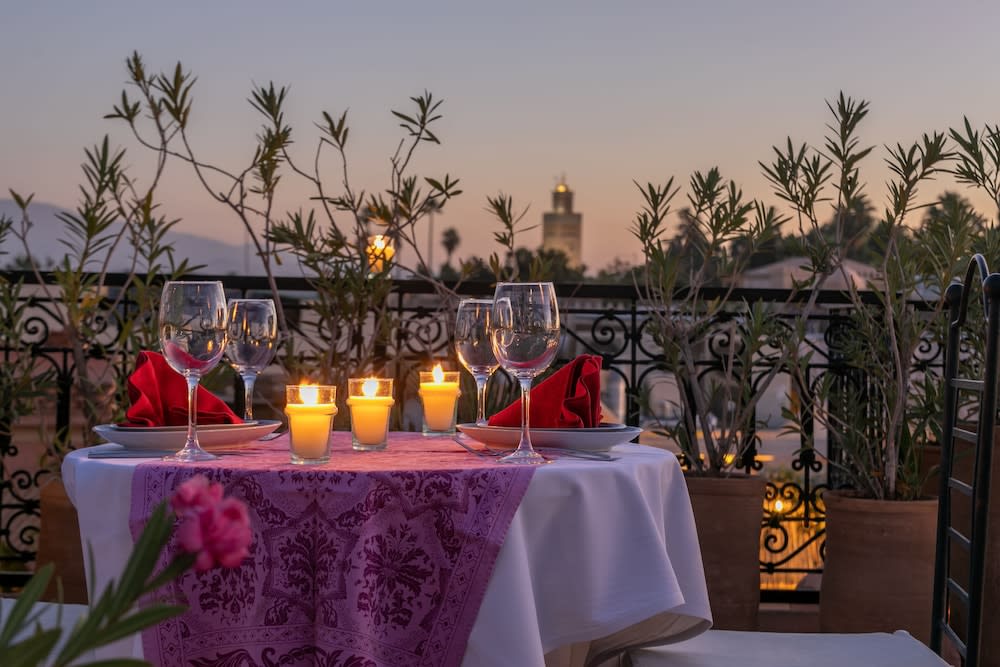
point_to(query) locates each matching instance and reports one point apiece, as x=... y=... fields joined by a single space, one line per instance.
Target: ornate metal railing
x=608 y=320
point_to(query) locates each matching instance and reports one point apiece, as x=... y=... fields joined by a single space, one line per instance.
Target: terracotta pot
x=59 y=543
x=879 y=569
x=728 y=513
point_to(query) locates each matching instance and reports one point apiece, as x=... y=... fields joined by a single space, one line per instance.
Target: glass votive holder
x=310 y=409
x=370 y=402
x=380 y=253
x=439 y=395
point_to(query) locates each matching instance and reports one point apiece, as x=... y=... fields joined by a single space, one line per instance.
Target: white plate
x=599 y=439
x=172 y=437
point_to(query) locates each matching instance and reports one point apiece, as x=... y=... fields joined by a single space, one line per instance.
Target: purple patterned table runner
x=378 y=558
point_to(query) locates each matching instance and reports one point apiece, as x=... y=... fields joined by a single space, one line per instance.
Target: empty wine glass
x=193 y=337
x=252 y=342
x=525 y=336
x=474 y=347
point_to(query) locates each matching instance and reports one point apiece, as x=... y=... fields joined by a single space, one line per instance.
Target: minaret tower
x=562 y=228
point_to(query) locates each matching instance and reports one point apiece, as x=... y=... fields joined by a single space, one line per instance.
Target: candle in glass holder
x=439 y=395
x=380 y=253
x=370 y=401
x=310 y=409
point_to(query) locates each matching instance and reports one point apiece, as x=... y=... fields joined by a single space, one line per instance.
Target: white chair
x=768 y=649
x=955 y=600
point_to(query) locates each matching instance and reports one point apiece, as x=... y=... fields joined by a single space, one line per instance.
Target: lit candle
x=439 y=394
x=380 y=252
x=310 y=410
x=370 y=401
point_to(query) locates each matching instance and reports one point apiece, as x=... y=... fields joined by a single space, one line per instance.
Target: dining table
x=424 y=553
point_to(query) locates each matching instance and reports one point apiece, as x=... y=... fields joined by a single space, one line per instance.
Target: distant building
x=562 y=229
x=784 y=273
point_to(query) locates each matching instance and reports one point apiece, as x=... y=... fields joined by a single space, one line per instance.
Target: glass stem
x=248 y=382
x=481 y=400
x=192 y=383
x=525 y=411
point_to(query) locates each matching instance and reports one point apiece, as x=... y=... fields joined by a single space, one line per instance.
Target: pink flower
x=194 y=494
x=214 y=528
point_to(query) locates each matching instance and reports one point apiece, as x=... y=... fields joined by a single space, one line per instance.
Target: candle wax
x=310 y=427
x=370 y=418
x=439 y=404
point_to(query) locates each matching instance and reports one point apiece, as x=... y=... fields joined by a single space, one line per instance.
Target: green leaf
x=32 y=651
x=76 y=641
x=143 y=557
x=22 y=203
x=25 y=601
x=136 y=622
x=403 y=116
x=113 y=603
x=177 y=567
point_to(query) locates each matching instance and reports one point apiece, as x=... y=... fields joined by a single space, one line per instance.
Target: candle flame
x=438 y=374
x=370 y=388
x=309 y=394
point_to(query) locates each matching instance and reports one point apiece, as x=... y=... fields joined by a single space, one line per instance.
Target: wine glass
x=474 y=347
x=193 y=337
x=252 y=342
x=525 y=338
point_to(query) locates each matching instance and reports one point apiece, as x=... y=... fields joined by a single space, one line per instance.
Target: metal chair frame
x=982 y=389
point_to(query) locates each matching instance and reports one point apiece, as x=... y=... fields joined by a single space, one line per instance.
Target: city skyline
x=603 y=94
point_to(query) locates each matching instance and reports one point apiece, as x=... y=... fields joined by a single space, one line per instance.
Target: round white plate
x=172 y=437
x=599 y=439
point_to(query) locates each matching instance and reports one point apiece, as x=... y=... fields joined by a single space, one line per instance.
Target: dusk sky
x=603 y=92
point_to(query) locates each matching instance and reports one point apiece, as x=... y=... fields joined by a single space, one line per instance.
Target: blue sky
x=606 y=93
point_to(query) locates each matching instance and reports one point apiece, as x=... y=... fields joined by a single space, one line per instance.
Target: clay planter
x=879 y=569
x=728 y=512
x=59 y=543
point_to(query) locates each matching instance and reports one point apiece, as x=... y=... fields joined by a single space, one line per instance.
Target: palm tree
x=857 y=230
x=450 y=240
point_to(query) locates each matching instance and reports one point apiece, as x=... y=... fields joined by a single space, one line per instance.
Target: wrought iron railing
x=608 y=320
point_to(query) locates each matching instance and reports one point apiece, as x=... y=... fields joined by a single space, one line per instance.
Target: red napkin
x=158 y=395
x=569 y=398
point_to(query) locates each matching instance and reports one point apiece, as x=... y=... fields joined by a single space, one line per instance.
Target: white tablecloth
x=604 y=553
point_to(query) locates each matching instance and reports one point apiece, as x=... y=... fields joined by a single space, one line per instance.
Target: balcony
x=607 y=320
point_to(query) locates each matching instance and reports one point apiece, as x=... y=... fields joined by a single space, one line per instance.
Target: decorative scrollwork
x=36 y=330
x=423 y=333
x=610 y=335
x=644 y=339
x=790 y=530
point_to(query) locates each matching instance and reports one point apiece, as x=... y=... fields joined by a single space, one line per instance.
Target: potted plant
x=101 y=322
x=332 y=240
x=722 y=359
x=881 y=416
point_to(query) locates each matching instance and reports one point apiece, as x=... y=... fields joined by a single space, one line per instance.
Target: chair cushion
x=723 y=648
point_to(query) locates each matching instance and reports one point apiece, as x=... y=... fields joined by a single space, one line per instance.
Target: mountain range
x=218 y=257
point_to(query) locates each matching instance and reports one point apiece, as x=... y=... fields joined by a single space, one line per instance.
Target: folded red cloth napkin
x=569 y=398
x=158 y=395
